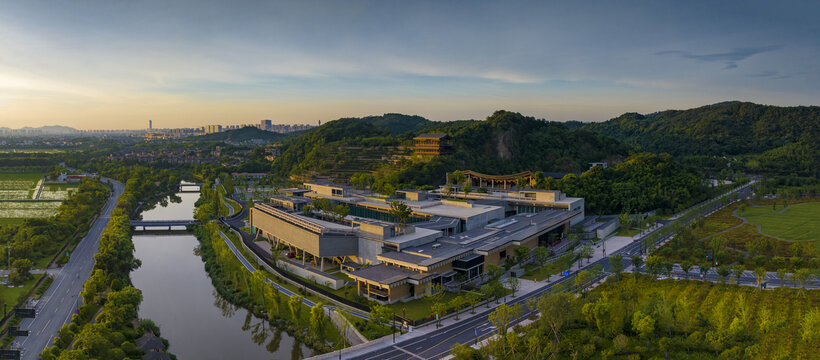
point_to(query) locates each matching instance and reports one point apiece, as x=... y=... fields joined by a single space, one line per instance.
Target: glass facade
x=383 y=215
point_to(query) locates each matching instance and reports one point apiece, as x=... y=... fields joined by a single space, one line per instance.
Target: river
x=178 y=296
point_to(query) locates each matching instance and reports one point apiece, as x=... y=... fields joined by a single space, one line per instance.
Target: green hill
x=729 y=128
x=242 y=135
x=399 y=123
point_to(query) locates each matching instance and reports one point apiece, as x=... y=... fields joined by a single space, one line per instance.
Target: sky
x=117 y=64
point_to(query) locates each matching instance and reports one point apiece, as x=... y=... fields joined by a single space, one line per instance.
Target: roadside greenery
x=639 y=318
x=103 y=327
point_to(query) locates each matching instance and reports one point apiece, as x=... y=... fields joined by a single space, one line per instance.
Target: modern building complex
x=432 y=144
x=443 y=241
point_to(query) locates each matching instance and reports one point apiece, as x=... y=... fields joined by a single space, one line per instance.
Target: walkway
x=353 y=337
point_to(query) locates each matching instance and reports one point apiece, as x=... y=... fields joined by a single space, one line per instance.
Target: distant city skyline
x=115 y=65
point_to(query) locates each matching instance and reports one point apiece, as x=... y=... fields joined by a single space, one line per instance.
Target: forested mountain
x=508 y=142
x=336 y=145
x=505 y=142
x=729 y=128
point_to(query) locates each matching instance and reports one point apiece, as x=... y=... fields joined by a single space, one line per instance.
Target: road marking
x=408 y=353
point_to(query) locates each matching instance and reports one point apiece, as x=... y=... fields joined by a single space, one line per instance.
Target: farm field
x=58 y=191
x=18 y=185
x=16 y=211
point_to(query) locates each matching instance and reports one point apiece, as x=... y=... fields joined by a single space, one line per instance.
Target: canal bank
x=180 y=297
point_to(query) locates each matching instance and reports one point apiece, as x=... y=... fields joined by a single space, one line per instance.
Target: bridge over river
x=146 y=224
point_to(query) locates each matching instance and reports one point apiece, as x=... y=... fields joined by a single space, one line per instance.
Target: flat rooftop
x=436 y=208
x=496 y=234
x=384 y=274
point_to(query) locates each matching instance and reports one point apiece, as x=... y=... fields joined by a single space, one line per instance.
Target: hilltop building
x=432 y=144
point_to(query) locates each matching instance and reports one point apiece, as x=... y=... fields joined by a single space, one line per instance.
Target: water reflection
x=179 y=297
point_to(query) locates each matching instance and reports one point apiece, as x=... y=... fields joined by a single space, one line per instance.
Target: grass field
x=786 y=239
x=799 y=222
x=18 y=185
x=9 y=295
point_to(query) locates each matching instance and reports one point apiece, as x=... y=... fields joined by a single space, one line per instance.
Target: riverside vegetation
x=104 y=327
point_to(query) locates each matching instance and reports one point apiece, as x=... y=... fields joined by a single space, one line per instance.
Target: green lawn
x=539 y=273
x=627 y=232
x=799 y=222
x=10 y=295
x=420 y=308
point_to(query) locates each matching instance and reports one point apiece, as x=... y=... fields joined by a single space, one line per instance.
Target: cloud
x=729 y=58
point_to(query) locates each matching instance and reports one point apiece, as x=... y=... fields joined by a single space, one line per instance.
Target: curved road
x=63 y=296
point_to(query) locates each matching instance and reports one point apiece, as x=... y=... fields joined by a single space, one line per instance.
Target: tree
x=521 y=183
x=317 y=319
x=472 y=299
x=782 y=274
x=295 y=306
x=582 y=279
x=466 y=352
x=487 y=292
x=616 y=262
x=522 y=253
x=503 y=316
x=686 y=266
x=556 y=311
x=494 y=272
x=541 y=255
x=456 y=303
x=341 y=211
x=760 y=275
x=637 y=261
x=723 y=273
x=704 y=268
x=586 y=252
x=457 y=177
x=810 y=331
x=467 y=188
x=380 y=314
x=438 y=309
x=800 y=277
x=738 y=271
x=401 y=211
x=514 y=284
x=20 y=271
x=654 y=264
x=642 y=324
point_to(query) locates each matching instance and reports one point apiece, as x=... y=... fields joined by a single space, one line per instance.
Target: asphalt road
x=63 y=296
x=436 y=344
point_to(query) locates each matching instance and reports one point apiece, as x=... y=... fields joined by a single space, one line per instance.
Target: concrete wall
x=368 y=249
x=329 y=281
x=604 y=231
x=480 y=220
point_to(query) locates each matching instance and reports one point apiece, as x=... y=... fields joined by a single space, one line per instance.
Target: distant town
x=151 y=133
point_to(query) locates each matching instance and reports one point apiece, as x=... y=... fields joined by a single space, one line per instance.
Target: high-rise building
x=266 y=125
x=150 y=125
